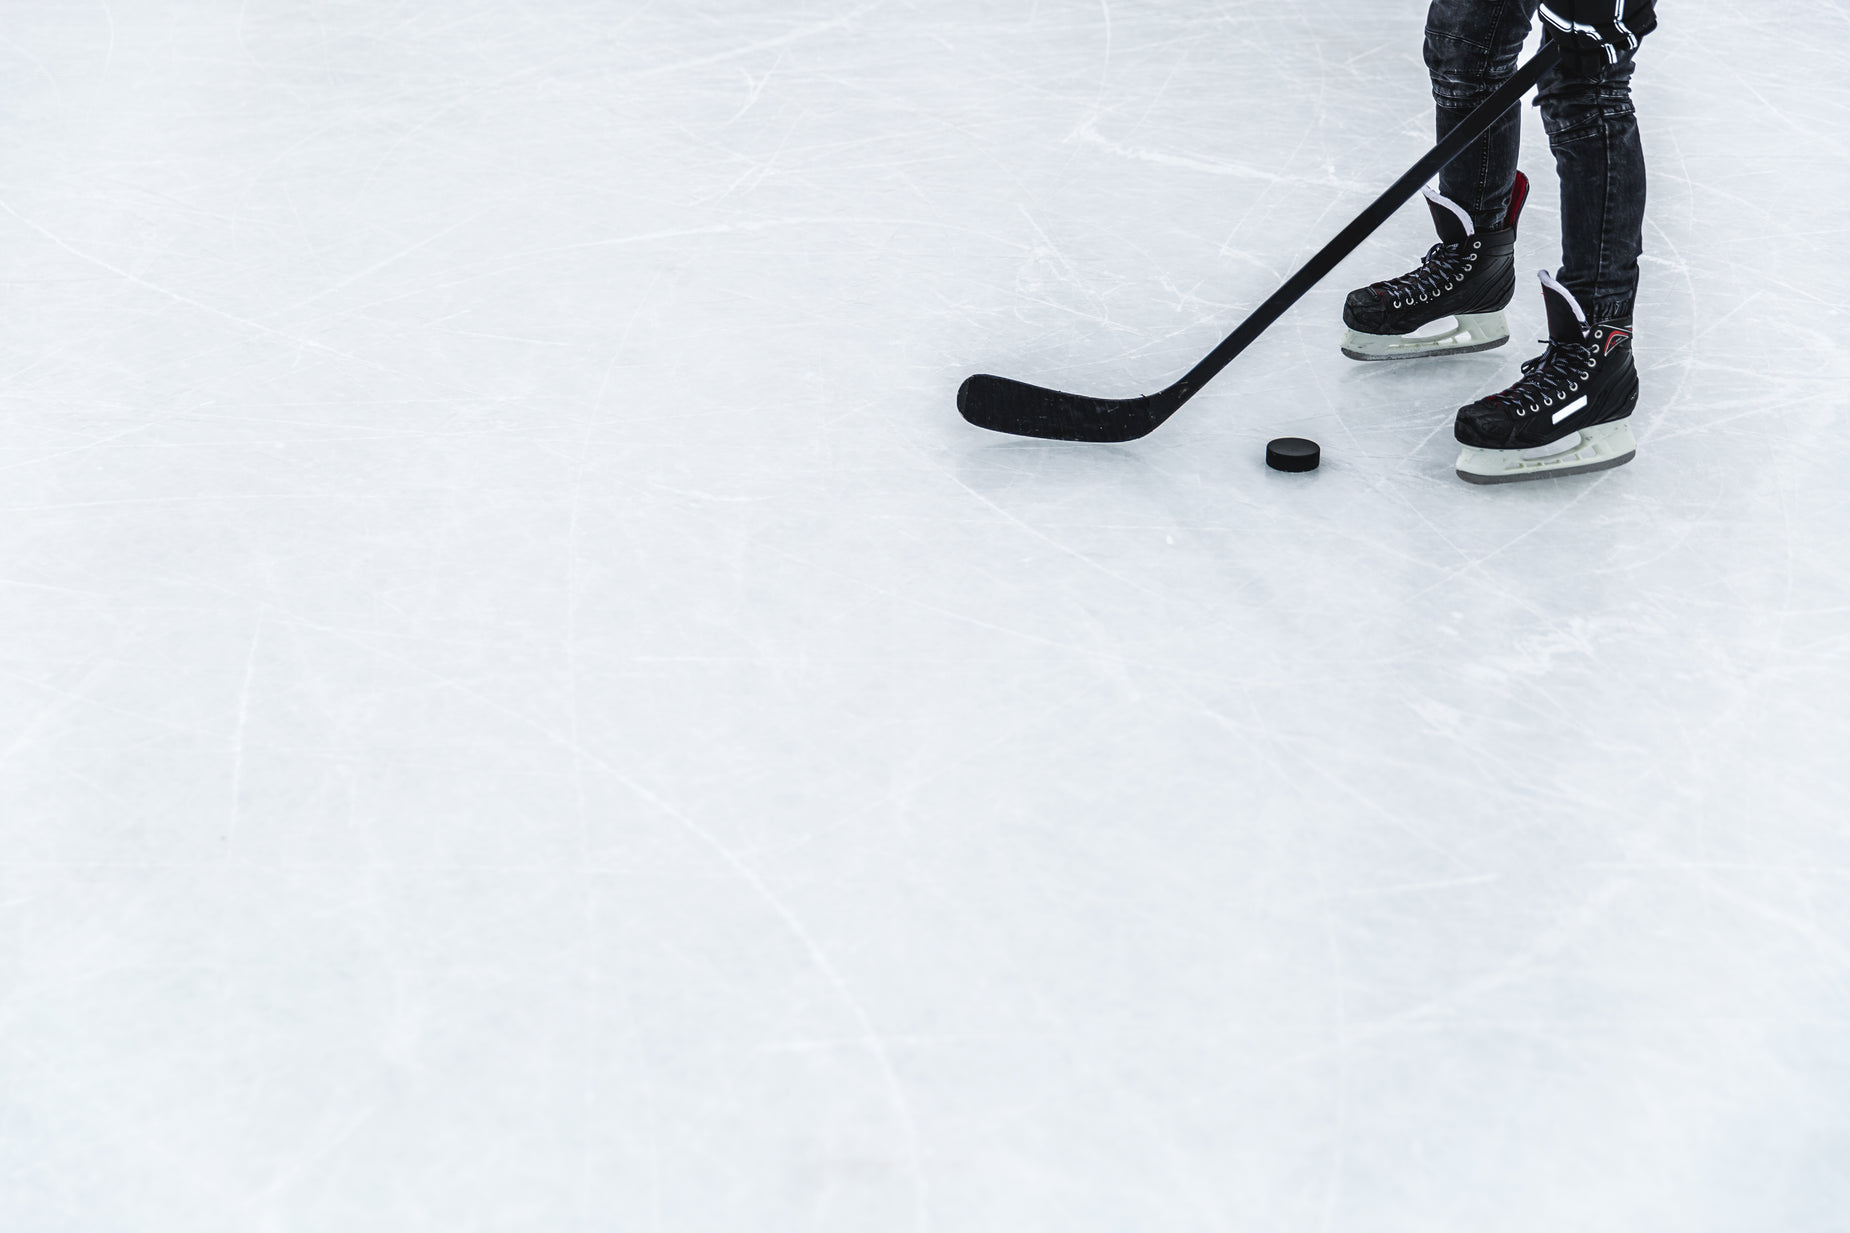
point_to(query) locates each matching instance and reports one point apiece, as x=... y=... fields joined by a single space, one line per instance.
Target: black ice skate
x=1469 y=275
x=1570 y=411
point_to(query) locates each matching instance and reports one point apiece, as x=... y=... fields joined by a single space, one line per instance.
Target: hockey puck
x=1292 y=454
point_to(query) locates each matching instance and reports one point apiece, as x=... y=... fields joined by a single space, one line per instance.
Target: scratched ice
x=524 y=708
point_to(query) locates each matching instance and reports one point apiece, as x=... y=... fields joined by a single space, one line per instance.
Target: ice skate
x=1465 y=282
x=1568 y=414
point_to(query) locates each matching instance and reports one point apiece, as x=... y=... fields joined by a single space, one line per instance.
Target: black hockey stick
x=1029 y=411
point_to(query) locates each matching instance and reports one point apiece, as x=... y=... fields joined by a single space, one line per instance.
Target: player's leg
x=1466 y=280
x=1471 y=48
x=1593 y=131
x=1571 y=409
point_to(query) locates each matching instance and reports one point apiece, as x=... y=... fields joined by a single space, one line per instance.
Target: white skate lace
x=1551 y=377
x=1443 y=268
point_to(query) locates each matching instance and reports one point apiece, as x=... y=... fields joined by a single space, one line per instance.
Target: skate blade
x=1473 y=332
x=1592 y=449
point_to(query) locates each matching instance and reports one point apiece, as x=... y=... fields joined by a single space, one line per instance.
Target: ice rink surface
x=524 y=708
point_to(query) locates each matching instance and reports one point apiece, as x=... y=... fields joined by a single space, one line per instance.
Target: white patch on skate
x=1549 y=281
x=1569 y=409
x=1440 y=198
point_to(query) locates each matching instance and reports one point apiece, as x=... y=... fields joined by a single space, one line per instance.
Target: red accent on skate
x=1518 y=195
x=1614 y=338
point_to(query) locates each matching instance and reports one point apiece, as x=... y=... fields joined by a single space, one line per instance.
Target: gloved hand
x=1597 y=33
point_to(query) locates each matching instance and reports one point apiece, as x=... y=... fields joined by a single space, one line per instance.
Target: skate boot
x=1469 y=275
x=1570 y=411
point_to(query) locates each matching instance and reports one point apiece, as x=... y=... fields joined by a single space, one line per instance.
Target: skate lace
x=1443 y=267
x=1552 y=376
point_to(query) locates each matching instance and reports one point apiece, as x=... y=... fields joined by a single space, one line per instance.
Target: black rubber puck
x=1292 y=454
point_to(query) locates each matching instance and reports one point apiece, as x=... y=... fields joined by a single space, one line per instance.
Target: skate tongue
x=1452 y=222
x=1566 y=321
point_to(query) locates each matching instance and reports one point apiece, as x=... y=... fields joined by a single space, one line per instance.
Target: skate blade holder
x=1468 y=332
x=1591 y=449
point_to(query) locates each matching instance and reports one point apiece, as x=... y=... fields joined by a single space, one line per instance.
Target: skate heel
x=1470 y=332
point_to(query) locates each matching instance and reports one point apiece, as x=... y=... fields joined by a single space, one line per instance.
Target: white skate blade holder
x=1590 y=449
x=1468 y=332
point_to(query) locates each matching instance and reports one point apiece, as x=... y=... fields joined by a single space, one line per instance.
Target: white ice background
x=523 y=707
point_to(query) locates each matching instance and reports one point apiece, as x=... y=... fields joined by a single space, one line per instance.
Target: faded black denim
x=1471 y=49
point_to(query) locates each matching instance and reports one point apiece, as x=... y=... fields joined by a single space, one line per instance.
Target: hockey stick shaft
x=1368 y=221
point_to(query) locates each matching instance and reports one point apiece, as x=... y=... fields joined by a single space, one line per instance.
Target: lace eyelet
x=1520 y=413
x=1477 y=244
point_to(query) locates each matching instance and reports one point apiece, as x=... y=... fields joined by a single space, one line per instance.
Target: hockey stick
x=1029 y=411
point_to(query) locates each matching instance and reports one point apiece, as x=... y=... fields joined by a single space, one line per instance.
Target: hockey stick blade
x=1002 y=405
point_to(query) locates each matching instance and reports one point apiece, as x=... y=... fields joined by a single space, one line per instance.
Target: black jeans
x=1471 y=48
